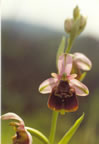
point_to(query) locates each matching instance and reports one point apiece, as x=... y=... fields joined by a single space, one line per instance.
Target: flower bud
x=76 y=12
x=68 y=24
x=83 y=22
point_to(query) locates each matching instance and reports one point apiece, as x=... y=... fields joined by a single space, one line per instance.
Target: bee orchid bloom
x=22 y=135
x=63 y=87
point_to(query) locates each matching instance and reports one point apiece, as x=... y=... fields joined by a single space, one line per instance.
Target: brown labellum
x=63 y=97
x=21 y=137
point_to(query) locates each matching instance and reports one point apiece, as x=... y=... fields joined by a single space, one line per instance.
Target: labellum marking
x=63 y=90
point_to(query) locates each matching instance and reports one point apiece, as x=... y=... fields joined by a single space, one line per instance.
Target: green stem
x=70 y=43
x=53 y=127
x=37 y=134
x=73 y=34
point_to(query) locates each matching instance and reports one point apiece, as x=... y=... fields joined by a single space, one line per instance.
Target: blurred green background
x=28 y=58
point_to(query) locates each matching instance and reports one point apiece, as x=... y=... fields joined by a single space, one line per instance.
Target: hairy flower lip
x=58 y=101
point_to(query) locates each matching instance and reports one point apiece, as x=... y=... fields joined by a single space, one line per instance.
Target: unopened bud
x=68 y=24
x=76 y=12
x=82 y=22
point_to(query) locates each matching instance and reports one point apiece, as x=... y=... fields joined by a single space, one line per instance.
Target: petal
x=65 y=64
x=30 y=137
x=72 y=76
x=82 y=61
x=80 y=88
x=12 y=116
x=47 y=85
x=55 y=75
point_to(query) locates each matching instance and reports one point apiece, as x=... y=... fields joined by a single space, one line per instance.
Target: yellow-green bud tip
x=76 y=12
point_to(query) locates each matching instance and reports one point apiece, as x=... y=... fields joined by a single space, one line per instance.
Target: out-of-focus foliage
x=28 y=58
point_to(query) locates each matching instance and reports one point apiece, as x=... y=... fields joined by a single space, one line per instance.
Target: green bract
x=67 y=137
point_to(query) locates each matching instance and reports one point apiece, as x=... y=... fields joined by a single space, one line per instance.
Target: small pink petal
x=54 y=75
x=12 y=116
x=65 y=64
x=47 y=85
x=57 y=76
x=80 y=88
x=82 y=61
x=72 y=76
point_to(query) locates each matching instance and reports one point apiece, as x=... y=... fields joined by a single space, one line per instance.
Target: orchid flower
x=22 y=135
x=63 y=87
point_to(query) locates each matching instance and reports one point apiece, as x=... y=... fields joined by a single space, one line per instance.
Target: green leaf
x=37 y=134
x=83 y=76
x=60 y=49
x=67 y=137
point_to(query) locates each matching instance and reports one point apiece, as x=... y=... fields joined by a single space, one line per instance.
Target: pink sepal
x=82 y=61
x=80 y=88
x=65 y=64
x=47 y=86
